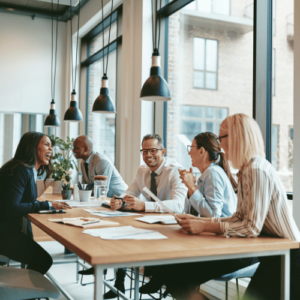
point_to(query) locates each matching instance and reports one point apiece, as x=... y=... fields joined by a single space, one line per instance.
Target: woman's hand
x=193 y=226
x=60 y=205
x=115 y=203
x=188 y=180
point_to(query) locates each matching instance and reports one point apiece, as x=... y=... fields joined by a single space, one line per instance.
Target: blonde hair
x=244 y=139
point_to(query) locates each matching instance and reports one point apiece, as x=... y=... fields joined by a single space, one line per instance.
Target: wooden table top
x=179 y=244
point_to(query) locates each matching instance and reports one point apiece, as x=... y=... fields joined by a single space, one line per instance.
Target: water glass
x=100 y=189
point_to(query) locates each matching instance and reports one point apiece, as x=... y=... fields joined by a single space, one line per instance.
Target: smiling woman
x=18 y=194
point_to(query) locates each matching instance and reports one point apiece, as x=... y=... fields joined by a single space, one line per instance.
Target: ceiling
x=42 y=8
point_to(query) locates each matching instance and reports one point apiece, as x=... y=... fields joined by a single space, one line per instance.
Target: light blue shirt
x=214 y=196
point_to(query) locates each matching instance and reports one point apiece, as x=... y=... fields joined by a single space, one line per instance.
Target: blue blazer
x=18 y=195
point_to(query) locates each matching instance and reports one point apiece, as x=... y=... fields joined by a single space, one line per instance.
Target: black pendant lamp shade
x=52 y=120
x=73 y=114
x=155 y=87
x=103 y=103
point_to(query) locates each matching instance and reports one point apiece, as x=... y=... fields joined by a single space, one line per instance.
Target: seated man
x=97 y=164
x=160 y=175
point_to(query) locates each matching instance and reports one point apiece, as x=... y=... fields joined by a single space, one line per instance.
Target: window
x=205 y=63
x=209 y=71
x=273 y=71
x=275 y=145
x=197 y=119
x=282 y=90
x=221 y=7
x=290 y=147
x=101 y=128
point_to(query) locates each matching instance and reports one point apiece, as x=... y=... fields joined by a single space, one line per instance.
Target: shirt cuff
x=50 y=205
x=149 y=206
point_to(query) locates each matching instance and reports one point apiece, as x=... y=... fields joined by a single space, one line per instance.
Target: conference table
x=179 y=247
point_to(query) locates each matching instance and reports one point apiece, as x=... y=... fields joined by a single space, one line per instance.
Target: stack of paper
x=158 y=219
x=84 y=222
x=125 y=233
x=84 y=204
x=109 y=213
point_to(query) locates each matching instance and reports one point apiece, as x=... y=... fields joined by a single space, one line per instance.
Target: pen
x=90 y=222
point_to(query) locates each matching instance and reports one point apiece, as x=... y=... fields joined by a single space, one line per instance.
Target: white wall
x=25 y=64
x=296 y=179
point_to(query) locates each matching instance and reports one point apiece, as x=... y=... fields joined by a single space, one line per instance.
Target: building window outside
x=197 y=119
x=221 y=7
x=205 y=63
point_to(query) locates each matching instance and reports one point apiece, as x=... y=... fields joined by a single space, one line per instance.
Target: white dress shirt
x=262 y=205
x=170 y=189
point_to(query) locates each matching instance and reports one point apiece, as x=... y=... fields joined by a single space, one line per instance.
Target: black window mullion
x=262 y=70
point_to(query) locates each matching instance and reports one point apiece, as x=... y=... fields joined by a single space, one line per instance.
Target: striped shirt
x=262 y=205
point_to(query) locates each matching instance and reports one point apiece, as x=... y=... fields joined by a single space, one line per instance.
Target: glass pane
x=211 y=81
x=204 y=5
x=210 y=112
x=226 y=83
x=210 y=127
x=97 y=42
x=222 y=113
x=198 y=79
x=221 y=7
x=275 y=131
x=101 y=127
x=199 y=53
x=191 y=6
x=211 y=55
x=190 y=129
x=282 y=89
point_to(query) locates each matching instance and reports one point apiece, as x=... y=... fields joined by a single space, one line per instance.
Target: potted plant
x=63 y=161
x=66 y=187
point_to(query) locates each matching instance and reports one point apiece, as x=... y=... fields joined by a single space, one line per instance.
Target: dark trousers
x=265 y=283
x=182 y=279
x=22 y=248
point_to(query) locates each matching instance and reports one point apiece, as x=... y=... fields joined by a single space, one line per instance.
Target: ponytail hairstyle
x=209 y=142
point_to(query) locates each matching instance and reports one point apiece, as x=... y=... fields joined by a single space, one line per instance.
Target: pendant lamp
x=52 y=119
x=104 y=103
x=73 y=113
x=155 y=87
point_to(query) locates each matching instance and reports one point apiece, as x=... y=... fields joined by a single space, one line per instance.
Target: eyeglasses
x=189 y=148
x=153 y=151
x=221 y=137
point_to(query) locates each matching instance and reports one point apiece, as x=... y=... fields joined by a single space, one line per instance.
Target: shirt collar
x=88 y=160
x=160 y=168
x=34 y=173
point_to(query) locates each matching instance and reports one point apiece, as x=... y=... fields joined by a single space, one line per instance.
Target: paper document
x=125 y=233
x=158 y=219
x=84 y=222
x=110 y=214
x=158 y=201
x=75 y=204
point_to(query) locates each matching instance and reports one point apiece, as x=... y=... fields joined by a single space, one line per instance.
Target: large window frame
x=114 y=45
x=262 y=65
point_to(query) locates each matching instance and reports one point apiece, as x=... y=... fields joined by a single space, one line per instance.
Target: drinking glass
x=100 y=187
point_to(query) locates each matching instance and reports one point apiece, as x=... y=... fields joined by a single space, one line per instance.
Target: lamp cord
x=53 y=76
x=72 y=68
x=112 y=4
x=155 y=40
x=102 y=35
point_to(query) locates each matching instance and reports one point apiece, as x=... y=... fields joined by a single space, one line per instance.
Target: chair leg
x=142 y=285
x=237 y=289
x=131 y=274
x=226 y=287
x=77 y=269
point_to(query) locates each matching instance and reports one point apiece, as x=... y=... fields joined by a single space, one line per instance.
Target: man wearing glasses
x=160 y=175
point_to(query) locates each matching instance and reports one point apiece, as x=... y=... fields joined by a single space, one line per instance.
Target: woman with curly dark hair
x=18 y=195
